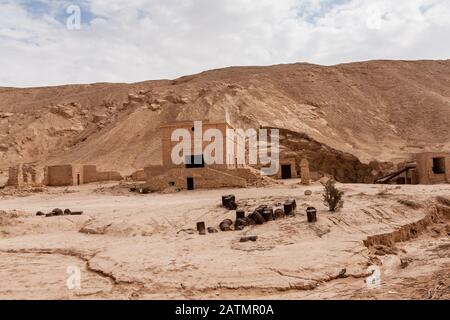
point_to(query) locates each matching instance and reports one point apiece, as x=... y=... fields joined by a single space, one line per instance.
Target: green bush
x=332 y=196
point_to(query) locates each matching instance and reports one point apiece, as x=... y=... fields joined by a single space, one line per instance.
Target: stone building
x=432 y=168
x=194 y=171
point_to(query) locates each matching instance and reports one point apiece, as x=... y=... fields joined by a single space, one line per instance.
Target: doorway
x=438 y=165
x=78 y=179
x=286 y=171
x=190 y=183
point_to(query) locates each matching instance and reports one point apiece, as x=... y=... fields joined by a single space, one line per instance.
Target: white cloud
x=133 y=40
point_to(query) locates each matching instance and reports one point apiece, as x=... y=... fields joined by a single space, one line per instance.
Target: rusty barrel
x=240 y=224
x=288 y=208
x=227 y=198
x=257 y=217
x=278 y=213
x=268 y=214
x=225 y=225
x=201 y=228
x=311 y=213
x=240 y=214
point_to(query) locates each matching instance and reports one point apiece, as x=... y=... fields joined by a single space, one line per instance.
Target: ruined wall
x=60 y=175
x=138 y=175
x=108 y=176
x=24 y=175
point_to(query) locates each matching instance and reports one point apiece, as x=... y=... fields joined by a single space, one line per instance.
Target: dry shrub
x=332 y=196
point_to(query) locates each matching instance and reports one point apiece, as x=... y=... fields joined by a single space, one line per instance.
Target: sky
x=53 y=42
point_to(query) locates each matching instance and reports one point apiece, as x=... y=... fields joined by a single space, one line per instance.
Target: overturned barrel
x=257 y=217
x=311 y=213
x=260 y=209
x=212 y=230
x=225 y=225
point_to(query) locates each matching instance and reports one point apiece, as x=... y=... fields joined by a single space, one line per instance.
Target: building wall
x=204 y=178
x=60 y=175
x=89 y=174
x=108 y=176
x=424 y=170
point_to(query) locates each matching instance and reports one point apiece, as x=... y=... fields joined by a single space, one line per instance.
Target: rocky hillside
x=378 y=110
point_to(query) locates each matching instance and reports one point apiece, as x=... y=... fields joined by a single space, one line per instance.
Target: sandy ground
x=131 y=246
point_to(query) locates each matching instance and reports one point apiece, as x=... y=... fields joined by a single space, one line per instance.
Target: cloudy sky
x=42 y=44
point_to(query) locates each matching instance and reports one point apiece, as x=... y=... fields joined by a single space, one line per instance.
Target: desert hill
x=377 y=110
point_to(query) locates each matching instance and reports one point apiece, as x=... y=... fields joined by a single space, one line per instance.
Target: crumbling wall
x=138 y=175
x=24 y=175
x=109 y=176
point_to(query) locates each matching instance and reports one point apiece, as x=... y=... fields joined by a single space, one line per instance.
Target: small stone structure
x=432 y=168
x=288 y=169
x=304 y=172
x=69 y=175
x=198 y=174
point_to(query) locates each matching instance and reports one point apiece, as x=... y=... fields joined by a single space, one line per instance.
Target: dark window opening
x=192 y=129
x=190 y=183
x=171 y=183
x=438 y=165
x=286 y=171
x=195 y=161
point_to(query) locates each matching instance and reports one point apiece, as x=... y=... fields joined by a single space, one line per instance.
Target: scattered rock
x=308 y=192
